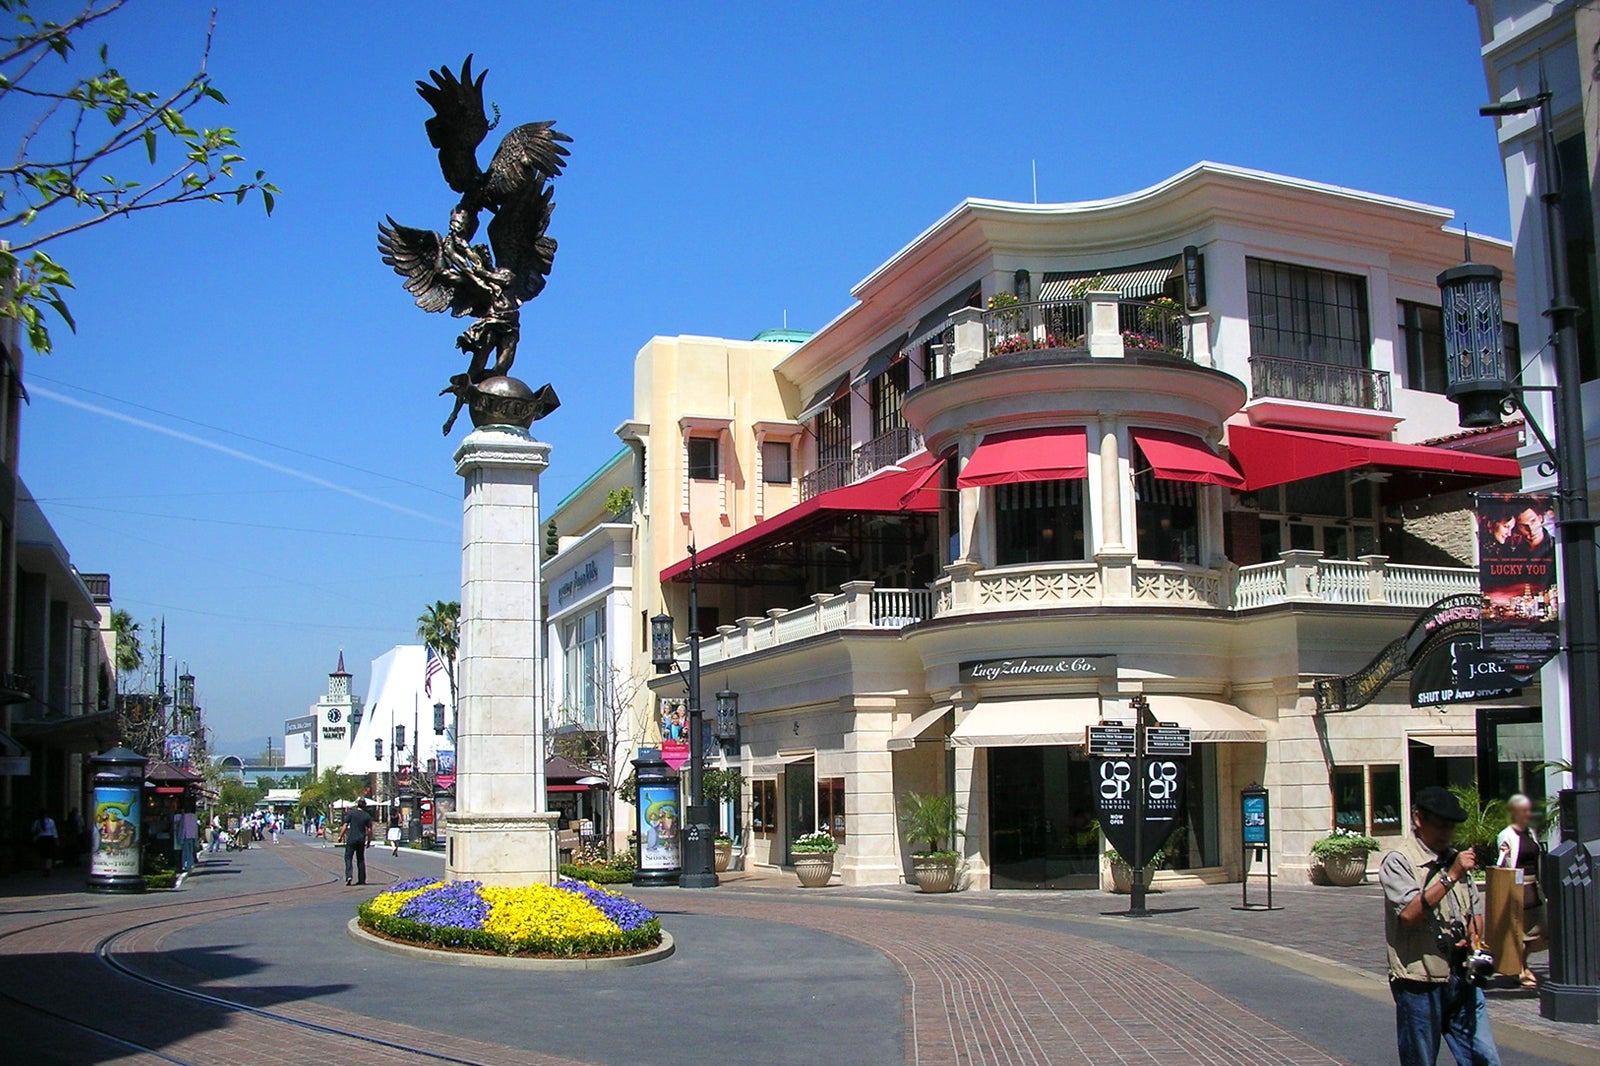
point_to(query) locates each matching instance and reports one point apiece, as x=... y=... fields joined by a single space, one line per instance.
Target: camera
x=1473 y=964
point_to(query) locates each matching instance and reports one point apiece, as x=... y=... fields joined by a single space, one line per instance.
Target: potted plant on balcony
x=1343 y=854
x=932 y=817
x=813 y=858
x=1122 y=873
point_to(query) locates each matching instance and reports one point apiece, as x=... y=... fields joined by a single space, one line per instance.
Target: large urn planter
x=1345 y=870
x=722 y=854
x=936 y=874
x=814 y=870
x=1122 y=878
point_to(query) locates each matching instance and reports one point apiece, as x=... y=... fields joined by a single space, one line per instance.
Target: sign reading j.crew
x=1040 y=668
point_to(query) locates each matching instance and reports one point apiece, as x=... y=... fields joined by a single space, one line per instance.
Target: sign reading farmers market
x=1040 y=668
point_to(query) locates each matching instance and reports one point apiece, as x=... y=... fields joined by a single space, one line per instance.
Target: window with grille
x=1422 y=338
x=888 y=393
x=1314 y=316
x=775 y=462
x=833 y=432
x=1039 y=521
x=1168 y=516
x=703 y=458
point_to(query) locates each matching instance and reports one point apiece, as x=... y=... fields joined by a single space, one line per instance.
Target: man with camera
x=1431 y=925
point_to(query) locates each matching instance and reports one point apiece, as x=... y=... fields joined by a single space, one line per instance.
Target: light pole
x=1479 y=383
x=433 y=774
x=698 y=863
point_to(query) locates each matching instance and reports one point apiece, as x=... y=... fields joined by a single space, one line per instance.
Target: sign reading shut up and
x=1040 y=668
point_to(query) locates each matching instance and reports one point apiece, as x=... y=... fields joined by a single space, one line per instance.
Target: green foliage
x=82 y=117
x=628 y=789
x=819 y=843
x=157 y=882
x=552 y=541
x=618 y=501
x=1481 y=830
x=235 y=797
x=931 y=817
x=1157 y=861
x=1343 y=842
x=722 y=786
x=130 y=648
x=439 y=627
x=599 y=875
x=318 y=796
x=646 y=936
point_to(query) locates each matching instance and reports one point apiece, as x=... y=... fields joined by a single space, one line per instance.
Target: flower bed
x=570 y=919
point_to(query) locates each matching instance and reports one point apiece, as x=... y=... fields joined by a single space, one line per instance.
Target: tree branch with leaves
x=82 y=124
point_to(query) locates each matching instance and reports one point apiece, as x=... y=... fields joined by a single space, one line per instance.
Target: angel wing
x=418 y=256
x=528 y=157
x=458 y=124
x=517 y=234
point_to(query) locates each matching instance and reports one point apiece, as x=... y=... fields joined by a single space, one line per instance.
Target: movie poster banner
x=1520 y=618
x=674 y=722
x=176 y=749
x=115 y=837
x=659 y=848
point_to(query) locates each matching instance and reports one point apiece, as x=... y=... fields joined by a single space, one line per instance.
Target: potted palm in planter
x=1343 y=854
x=1122 y=873
x=813 y=858
x=932 y=817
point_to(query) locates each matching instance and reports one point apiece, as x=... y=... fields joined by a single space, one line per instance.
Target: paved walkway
x=777 y=974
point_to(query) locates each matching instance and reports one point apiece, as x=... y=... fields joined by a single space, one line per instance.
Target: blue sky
x=730 y=163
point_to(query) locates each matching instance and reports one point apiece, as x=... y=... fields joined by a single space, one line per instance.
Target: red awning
x=566 y=788
x=918 y=496
x=882 y=493
x=1177 y=456
x=1275 y=456
x=1058 y=453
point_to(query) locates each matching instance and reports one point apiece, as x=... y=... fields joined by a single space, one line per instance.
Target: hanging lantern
x=438 y=719
x=661 y=643
x=1474 y=343
x=399 y=738
x=727 y=714
x=377 y=749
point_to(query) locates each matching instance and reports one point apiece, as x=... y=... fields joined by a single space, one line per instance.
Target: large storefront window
x=764 y=809
x=830 y=806
x=1042 y=827
x=1168 y=516
x=800 y=802
x=1366 y=799
x=1335 y=514
x=583 y=666
x=1039 y=522
x=1193 y=845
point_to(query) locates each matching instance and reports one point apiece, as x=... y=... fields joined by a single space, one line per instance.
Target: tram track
x=104 y=949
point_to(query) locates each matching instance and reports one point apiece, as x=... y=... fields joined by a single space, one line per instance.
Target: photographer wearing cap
x=1431 y=925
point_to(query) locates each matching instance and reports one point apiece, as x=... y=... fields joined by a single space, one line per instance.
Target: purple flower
x=626 y=913
x=456 y=905
x=413 y=883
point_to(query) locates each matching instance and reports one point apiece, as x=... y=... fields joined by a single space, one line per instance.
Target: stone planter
x=935 y=875
x=814 y=869
x=722 y=853
x=1122 y=878
x=1345 y=870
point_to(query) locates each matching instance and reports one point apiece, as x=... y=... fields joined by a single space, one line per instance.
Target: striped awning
x=879 y=361
x=935 y=321
x=1133 y=282
x=822 y=398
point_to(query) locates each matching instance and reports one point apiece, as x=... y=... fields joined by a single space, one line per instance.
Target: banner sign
x=1163 y=784
x=1457 y=671
x=674 y=720
x=1039 y=668
x=115 y=836
x=1253 y=817
x=1519 y=619
x=658 y=847
x=176 y=750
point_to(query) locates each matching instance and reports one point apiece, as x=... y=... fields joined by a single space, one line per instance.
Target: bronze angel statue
x=489 y=283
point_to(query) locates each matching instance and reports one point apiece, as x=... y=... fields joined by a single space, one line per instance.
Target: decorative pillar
x=499 y=832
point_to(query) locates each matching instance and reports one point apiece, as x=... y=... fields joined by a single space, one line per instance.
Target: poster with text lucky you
x=1520 y=616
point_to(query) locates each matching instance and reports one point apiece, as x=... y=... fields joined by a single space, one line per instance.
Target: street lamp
x=1475 y=365
x=727 y=714
x=699 y=869
x=438 y=719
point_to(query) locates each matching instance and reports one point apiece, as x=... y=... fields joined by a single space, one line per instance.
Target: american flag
x=435 y=666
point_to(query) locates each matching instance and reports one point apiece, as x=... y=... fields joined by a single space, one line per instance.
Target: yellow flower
x=544 y=912
x=389 y=903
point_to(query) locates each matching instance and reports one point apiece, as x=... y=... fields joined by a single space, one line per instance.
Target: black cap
x=1439 y=802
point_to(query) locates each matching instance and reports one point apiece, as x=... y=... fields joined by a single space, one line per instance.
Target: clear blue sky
x=730 y=163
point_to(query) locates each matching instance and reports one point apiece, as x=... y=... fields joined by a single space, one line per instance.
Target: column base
x=501 y=849
x=1569 y=1003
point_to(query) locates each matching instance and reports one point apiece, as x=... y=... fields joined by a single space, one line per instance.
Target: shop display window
x=1039 y=522
x=830 y=806
x=764 y=809
x=1366 y=799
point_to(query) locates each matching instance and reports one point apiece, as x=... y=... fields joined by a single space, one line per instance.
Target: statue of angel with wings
x=489 y=283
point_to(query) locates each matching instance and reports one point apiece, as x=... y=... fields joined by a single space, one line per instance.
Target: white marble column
x=499 y=832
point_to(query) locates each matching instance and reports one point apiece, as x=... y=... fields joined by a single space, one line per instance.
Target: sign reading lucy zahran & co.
x=1040 y=668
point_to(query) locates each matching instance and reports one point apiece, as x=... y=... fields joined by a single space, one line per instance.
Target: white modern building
x=334 y=720
x=400 y=698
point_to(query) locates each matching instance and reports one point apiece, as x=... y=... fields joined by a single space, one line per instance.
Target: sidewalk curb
x=501 y=962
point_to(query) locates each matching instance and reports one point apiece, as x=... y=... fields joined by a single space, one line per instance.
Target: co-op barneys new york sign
x=1040 y=668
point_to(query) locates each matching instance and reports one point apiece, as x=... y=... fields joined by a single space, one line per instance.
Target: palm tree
x=439 y=627
x=130 y=649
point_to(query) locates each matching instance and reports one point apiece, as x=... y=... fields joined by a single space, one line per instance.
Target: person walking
x=1429 y=922
x=215 y=833
x=1519 y=850
x=44 y=840
x=393 y=834
x=355 y=834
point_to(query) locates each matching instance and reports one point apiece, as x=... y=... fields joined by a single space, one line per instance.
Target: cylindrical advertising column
x=658 y=859
x=116 y=831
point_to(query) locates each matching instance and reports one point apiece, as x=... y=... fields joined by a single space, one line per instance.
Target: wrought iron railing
x=885 y=449
x=1152 y=327
x=1299 y=379
x=1042 y=324
x=833 y=474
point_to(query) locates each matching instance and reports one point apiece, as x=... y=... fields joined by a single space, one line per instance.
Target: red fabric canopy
x=882 y=493
x=1057 y=453
x=1275 y=456
x=1177 y=456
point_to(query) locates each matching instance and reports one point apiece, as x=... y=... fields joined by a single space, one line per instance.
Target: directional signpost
x=1140 y=771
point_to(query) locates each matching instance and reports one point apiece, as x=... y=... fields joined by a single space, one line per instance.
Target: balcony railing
x=833 y=474
x=1327 y=383
x=1141 y=326
x=857 y=605
x=885 y=449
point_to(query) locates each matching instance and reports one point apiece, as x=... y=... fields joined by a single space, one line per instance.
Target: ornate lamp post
x=1479 y=383
x=699 y=869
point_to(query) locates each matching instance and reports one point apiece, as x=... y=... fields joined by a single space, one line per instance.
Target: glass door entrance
x=1042 y=829
x=800 y=804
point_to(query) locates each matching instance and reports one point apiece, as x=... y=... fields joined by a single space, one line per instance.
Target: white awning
x=1027 y=723
x=1210 y=721
x=1452 y=746
x=905 y=738
x=1133 y=282
x=774 y=767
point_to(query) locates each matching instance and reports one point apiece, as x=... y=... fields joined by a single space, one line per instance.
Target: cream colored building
x=1193 y=437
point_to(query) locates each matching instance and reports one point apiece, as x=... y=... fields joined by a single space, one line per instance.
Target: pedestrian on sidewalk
x=44 y=840
x=1430 y=923
x=355 y=834
x=393 y=835
x=1519 y=850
